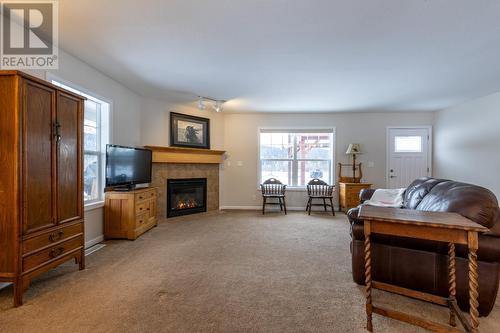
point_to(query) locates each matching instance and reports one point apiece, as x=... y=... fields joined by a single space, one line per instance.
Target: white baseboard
x=94 y=241
x=240 y=207
x=260 y=208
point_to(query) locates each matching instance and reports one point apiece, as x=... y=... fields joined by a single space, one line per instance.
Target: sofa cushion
x=417 y=190
x=474 y=202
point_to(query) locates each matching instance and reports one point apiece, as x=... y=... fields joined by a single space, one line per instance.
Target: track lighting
x=217 y=104
x=201 y=104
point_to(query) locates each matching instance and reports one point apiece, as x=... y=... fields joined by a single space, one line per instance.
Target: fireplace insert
x=186 y=196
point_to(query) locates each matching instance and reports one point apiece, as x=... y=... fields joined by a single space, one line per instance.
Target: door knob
x=393 y=176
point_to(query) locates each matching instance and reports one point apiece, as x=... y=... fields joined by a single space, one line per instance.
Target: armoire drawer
x=50 y=253
x=35 y=243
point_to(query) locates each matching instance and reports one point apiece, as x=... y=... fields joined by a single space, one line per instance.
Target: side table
x=437 y=226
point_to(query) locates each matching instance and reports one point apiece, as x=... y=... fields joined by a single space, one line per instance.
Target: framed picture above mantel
x=189 y=131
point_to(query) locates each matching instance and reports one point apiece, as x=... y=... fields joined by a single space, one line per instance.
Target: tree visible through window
x=296 y=157
x=96 y=136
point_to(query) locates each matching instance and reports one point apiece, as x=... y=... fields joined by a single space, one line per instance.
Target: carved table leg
x=473 y=284
x=452 y=280
x=368 y=276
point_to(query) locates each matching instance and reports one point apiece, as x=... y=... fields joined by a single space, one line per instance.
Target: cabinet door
x=152 y=210
x=39 y=164
x=69 y=158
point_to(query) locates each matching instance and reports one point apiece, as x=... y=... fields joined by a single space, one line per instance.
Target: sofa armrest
x=495 y=229
x=366 y=194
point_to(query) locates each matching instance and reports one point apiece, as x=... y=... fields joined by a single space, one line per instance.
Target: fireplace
x=186 y=196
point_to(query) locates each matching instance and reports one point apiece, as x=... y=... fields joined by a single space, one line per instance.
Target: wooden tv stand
x=129 y=214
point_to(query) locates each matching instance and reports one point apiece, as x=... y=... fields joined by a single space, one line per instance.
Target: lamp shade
x=354 y=148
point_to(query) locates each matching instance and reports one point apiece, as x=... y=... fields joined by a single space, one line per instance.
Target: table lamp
x=353 y=149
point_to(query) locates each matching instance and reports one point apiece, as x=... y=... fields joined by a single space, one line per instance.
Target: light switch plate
x=371 y=164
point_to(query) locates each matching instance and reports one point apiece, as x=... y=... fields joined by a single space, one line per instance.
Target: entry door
x=408 y=155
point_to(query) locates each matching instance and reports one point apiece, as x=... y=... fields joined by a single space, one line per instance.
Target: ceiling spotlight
x=218 y=106
x=201 y=103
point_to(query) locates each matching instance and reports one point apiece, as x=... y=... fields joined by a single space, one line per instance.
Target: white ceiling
x=279 y=55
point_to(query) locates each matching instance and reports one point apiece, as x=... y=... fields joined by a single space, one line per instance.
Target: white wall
x=239 y=183
x=155 y=122
x=467 y=142
x=126 y=117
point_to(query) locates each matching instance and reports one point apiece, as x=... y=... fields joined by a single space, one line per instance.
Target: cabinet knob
x=56 y=252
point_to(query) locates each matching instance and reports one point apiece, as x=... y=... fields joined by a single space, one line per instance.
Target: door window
x=407 y=144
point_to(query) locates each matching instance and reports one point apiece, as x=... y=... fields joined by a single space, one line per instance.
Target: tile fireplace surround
x=164 y=171
x=196 y=163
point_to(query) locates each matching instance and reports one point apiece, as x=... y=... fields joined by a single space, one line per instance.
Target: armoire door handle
x=57 y=131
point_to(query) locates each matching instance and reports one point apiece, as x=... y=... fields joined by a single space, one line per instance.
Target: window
x=96 y=136
x=296 y=157
x=407 y=144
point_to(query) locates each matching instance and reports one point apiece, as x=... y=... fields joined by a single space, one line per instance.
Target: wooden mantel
x=185 y=155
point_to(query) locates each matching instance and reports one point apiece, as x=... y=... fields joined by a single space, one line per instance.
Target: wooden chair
x=273 y=188
x=318 y=189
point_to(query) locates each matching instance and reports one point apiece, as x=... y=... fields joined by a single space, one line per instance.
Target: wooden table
x=437 y=226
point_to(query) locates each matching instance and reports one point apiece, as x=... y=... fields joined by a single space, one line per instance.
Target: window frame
x=290 y=129
x=94 y=203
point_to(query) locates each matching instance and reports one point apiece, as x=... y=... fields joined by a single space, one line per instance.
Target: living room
x=258 y=99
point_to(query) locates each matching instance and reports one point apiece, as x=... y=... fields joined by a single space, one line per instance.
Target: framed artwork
x=189 y=131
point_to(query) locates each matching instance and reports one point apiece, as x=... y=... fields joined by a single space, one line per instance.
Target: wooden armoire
x=41 y=194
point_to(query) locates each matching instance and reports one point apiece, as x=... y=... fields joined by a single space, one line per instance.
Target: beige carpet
x=217 y=272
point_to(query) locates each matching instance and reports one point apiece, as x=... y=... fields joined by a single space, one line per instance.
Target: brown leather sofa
x=422 y=265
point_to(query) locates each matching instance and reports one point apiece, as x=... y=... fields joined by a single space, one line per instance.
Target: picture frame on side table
x=189 y=131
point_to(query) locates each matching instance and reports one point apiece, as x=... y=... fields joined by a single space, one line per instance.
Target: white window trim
x=91 y=204
x=304 y=129
x=94 y=205
x=50 y=76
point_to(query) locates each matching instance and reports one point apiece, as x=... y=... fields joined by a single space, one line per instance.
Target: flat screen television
x=127 y=166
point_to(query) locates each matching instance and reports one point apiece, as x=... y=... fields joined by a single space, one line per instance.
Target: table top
x=417 y=217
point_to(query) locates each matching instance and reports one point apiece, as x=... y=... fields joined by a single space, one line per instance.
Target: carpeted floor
x=216 y=272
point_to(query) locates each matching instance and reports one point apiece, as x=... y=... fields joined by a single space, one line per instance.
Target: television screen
x=127 y=165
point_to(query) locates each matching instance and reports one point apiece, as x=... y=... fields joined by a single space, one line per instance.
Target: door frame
x=388 y=147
